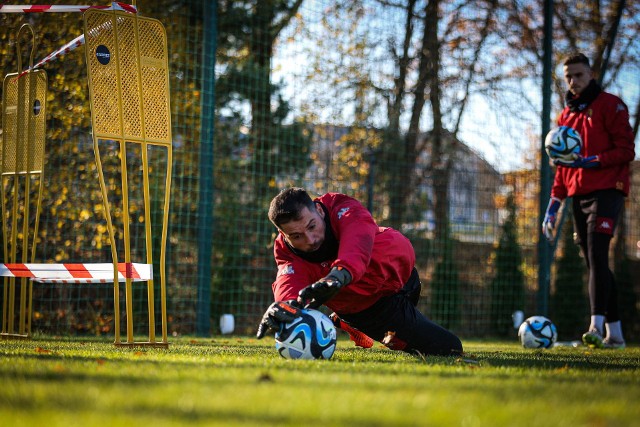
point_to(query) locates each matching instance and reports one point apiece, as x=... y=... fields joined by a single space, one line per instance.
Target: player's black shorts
x=597 y=212
x=398 y=314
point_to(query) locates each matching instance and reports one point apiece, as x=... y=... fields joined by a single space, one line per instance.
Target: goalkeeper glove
x=316 y=294
x=581 y=162
x=549 y=222
x=279 y=312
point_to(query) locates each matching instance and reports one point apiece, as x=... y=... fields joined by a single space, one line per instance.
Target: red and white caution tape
x=39 y=8
x=78 y=41
x=78 y=273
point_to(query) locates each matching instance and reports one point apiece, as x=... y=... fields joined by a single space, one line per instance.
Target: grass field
x=240 y=381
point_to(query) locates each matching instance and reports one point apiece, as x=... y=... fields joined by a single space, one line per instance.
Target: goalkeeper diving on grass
x=330 y=251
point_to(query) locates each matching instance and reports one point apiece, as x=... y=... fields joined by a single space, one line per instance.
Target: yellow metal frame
x=23 y=143
x=128 y=75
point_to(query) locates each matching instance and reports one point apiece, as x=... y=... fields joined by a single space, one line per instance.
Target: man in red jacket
x=330 y=251
x=598 y=181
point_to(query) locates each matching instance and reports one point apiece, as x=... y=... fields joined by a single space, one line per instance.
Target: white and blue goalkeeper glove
x=581 y=162
x=549 y=222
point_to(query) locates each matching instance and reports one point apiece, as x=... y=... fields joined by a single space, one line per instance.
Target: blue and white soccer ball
x=563 y=144
x=309 y=336
x=537 y=332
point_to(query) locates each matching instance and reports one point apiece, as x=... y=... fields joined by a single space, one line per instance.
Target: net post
x=5 y=296
x=12 y=304
x=30 y=308
x=23 y=306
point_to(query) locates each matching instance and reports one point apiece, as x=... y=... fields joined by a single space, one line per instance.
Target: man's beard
x=328 y=250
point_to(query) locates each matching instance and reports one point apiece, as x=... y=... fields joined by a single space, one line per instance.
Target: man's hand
x=549 y=222
x=279 y=312
x=313 y=296
x=581 y=162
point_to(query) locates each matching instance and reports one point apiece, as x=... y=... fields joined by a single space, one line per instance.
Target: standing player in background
x=329 y=251
x=598 y=182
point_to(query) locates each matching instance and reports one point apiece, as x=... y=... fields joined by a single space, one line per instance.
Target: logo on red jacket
x=286 y=270
x=604 y=225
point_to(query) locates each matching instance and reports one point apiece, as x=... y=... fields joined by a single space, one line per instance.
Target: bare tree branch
x=484 y=32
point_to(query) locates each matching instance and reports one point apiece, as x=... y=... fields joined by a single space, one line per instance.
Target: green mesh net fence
x=428 y=112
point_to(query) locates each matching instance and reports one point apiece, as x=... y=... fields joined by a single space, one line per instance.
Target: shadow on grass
x=583 y=359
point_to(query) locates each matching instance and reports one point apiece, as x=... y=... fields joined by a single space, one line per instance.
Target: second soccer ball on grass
x=537 y=332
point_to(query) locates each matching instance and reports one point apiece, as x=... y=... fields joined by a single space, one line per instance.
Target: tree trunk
x=439 y=163
x=397 y=157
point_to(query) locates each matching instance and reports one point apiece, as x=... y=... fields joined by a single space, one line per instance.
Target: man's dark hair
x=288 y=204
x=577 y=58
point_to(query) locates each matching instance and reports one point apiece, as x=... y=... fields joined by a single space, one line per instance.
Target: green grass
x=243 y=382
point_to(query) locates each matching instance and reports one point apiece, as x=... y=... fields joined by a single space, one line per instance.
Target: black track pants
x=397 y=313
x=596 y=215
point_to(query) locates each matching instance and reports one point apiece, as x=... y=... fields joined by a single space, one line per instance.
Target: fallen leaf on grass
x=467 y=361
x=265 y=378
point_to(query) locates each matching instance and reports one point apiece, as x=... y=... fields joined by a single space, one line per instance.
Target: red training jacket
x=605 y=131
x=380 y=259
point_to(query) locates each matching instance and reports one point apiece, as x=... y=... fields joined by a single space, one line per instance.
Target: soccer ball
x=537 y=332
x=312 y=335
x=563 y=144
